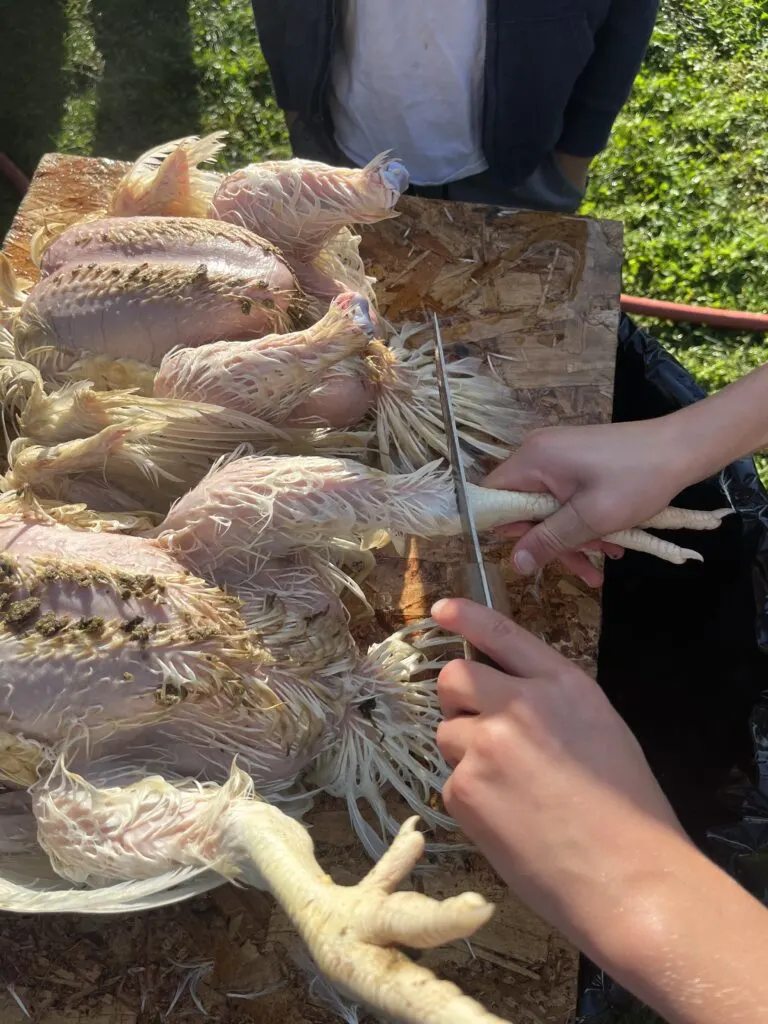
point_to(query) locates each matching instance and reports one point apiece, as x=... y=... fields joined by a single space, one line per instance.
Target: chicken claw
x=98 y=836
x=352 y=931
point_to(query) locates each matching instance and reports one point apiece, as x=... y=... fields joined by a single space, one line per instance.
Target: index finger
x=512 y=648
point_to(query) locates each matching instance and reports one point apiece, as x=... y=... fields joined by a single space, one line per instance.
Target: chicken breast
x=220 y=246
x=140 y=311
x=103 y=636
x=68 y=597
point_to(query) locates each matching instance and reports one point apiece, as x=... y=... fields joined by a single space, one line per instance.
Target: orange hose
x=728 y=318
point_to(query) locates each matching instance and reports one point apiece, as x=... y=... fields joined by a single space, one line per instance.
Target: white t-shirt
x=408 y=77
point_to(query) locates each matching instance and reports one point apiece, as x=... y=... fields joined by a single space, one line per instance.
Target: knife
x=483 y=583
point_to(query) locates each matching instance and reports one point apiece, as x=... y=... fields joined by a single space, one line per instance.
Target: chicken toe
x=151 y=828
x=352 y=931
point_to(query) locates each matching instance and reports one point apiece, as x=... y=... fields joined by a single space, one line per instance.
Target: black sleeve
x=273 y=27
x=606 y=82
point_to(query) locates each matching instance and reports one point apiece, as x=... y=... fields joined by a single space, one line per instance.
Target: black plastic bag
x=683 y=656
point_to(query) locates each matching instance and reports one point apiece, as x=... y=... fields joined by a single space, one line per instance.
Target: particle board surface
x=540 y=294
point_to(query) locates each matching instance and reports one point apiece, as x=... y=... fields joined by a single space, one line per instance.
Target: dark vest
x=557 y=72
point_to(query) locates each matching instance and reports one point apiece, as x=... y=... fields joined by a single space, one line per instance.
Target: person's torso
x=408 y=77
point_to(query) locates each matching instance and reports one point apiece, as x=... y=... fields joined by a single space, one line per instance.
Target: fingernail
x=437 y=606
x=524 y=563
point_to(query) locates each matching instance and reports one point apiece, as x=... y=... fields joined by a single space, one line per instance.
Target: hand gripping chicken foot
x=261 y=503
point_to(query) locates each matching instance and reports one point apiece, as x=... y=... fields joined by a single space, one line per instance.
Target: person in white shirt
x=498 y=101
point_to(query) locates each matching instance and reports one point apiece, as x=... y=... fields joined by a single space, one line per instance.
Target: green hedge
x=687 y=173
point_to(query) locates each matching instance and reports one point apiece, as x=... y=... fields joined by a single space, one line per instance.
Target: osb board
x=539 y=292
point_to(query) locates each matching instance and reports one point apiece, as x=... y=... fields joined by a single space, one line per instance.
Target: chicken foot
x=100 y=835
x=352 y=931
x=258 y=504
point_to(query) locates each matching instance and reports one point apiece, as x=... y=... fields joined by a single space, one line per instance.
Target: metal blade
x=469 y=530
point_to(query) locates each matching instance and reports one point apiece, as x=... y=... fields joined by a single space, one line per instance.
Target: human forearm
x=635 y=895
x=706 y=436
x=688 y=941
x=554 y=789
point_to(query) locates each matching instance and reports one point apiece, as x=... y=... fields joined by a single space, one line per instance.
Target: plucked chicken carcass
x=129 y=306
x=176 y=695
x=138 y=669
x=132 y=322
x=218 y=244
x=299 y=205
x=305 y=204
x=305 y=209
x=117 y=450
x=170 y=242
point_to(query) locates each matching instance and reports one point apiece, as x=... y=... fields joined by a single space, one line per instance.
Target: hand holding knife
x=484 y=583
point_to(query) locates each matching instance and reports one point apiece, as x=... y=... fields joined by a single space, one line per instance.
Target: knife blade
x=484 y=583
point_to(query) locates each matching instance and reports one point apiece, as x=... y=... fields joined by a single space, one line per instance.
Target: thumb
x=564 y=530
x=514 y=474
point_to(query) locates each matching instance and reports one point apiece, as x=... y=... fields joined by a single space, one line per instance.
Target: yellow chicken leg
x=153 y=828
x=352 y=931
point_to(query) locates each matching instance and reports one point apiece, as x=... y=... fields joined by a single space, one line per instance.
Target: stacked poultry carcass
x=180 y=682
x=152 y=302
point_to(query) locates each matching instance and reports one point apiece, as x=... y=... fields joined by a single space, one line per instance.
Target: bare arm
x=724 y=427
x=555 y=790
